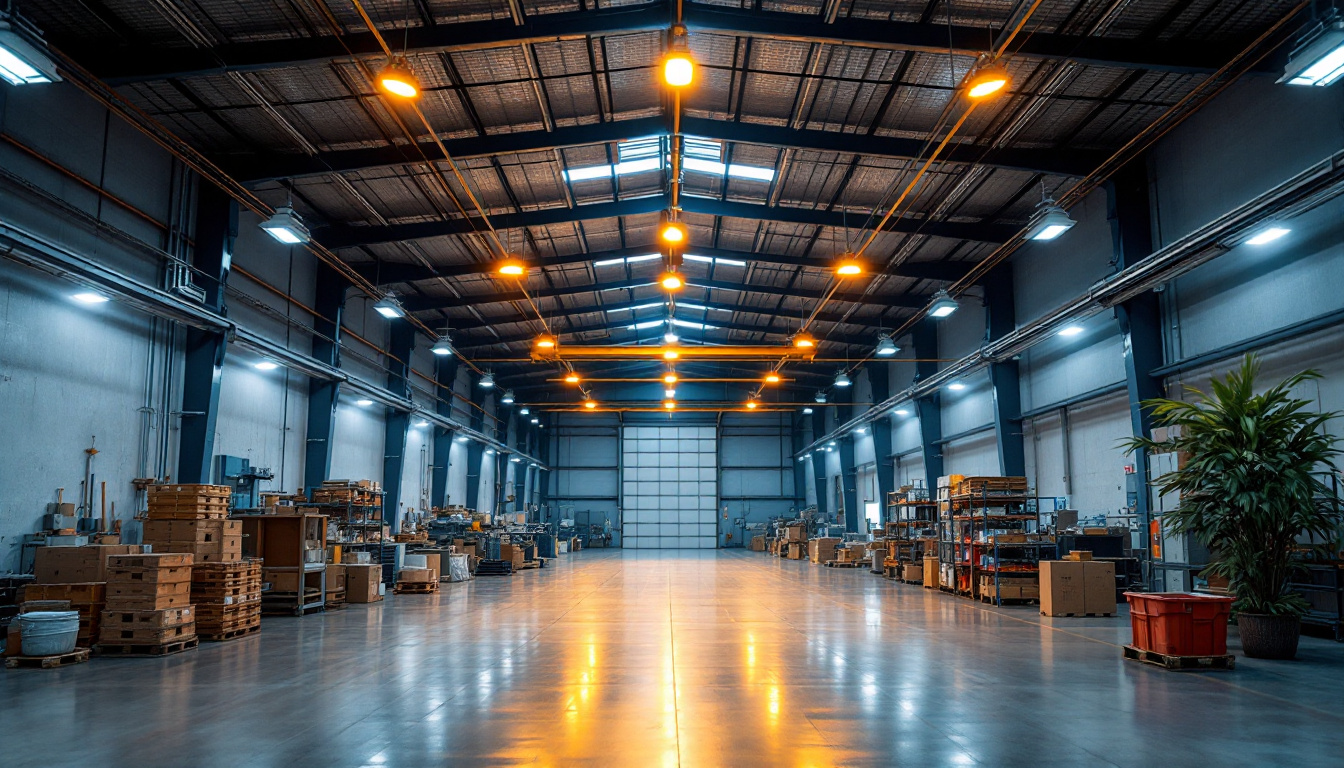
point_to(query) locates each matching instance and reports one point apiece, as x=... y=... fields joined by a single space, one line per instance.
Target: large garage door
x=670 y=488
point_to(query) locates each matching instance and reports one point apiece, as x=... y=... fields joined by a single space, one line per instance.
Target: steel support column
x=323 y=394
x=924 y=337
x=1000 y=320
x=396 y=423
x=475 y=450
x=879 y=378
x=819 y=459
x=216 y=230
x=1140 y=318
x=799 y=466
x=445 y=373
x=849 y=472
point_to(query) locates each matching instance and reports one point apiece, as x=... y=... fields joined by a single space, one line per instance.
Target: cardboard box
x=1062 y=588
x=363 y=583
x=1098 y=586
x=931 y=572
x=1078 y=555
x=822 y=550
x=433 y=558
x=356 y=558
x=335 y=577
x=797 y=550
x=795 y=533
x=912 y=571
x=858 y=552
x=282 y=581
x=75 y=565
x=757 y=544
x=415 y=576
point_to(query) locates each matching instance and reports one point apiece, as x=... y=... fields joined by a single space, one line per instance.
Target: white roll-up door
x=670 y=491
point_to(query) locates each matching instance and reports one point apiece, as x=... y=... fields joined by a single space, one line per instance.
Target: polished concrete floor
x=695 y=659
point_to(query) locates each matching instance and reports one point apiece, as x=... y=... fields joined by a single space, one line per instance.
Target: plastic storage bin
x=48 y=633
x=1179 y=623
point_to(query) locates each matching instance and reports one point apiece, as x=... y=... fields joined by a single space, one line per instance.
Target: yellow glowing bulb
x=678 y=70
x=590 y=404
x=572 y=378
x=772 y=378
x=399 y=87
x=674 y=233
x=804 y=341
x=670 y=378
x=511 y=268
x=849 y=268
x=986 y=82
x=671 y=281
x=751 y=404
x=671 y=354
x=669 y=404
x=545 y=342
x=398 y=79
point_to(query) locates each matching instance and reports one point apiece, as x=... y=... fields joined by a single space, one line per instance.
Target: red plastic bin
x=1179 y=623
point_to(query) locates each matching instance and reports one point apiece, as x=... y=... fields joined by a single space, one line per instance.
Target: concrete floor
x=695 y=659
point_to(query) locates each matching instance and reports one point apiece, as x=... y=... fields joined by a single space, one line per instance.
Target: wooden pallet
x=1180 y=663
x=415 y=588
x=989 y=598
x=230 y=634
x=134 y=649
x=1078 y=615
x=843 y=563
x=77 y=656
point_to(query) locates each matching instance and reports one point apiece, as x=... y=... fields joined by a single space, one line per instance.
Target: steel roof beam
x=258 y=168
x=128 y=64
x=384 y=273
x=346 y=236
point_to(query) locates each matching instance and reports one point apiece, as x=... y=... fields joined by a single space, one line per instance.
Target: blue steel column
x=216 y=230
x=445 y=373
x=879 y=376
x=475 y=451
x=849 y=473
x=544 y=455
x=323 y=394
x=396 y=423
x=1000 y=320
x=799 y=466
x=819 y=458
x=1140 y=318
x=925 y=340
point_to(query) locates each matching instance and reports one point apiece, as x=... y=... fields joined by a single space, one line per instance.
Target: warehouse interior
x=656 y=382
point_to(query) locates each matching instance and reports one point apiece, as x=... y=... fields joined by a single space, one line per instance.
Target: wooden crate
x=131 y=634
x=87 y=593
x=157 y=619
x=148 y=597
x=146 y=562
x=179 y=574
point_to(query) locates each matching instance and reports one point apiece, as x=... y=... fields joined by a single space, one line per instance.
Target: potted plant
x=1251 y=485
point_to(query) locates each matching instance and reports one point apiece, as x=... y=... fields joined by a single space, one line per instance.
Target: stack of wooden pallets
x=192 y=518
x=149 y=611
x=227 y=597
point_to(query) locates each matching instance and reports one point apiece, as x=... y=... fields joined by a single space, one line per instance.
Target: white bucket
x=48 y=633
x=415 y=561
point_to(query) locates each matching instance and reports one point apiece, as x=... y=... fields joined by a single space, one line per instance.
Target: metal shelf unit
x=971 y=528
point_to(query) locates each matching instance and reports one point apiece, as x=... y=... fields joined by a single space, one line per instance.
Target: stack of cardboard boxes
x=794 y=546
x=149 y=610
x=192 y=519
x=362 y=578
x=1077 y=588
x=77 y=575
x=821 y=550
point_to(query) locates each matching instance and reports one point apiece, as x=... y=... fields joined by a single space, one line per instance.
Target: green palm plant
x=1252 y=483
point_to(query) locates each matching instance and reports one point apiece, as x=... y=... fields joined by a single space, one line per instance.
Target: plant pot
x=1266 y=636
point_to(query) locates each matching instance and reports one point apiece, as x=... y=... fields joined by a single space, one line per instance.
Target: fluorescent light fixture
x=669 y=393
x=885 y=346
x=265 y=365
x=90 y=298
x=23 y=57
x=443 y=345
x=1072 y=330
x=715 y=260
x=487 y=381
x=489 y=451
x=363 y=402
x=832 y=443
x=901 y=412
x=643 y=165
x=461 y=439
x=842 y=379
x=635 y=308
x=702 y=307
x=627 y=260
x=705 y=149
x=693 y=325
x=625 y=168
x=943 y=304
x=641 y=325
x=1268 y=236
x=1049 y=221
x=671 y=337
x=515 y=460
x=956 y=386
x=802 y=458
x=861 y=431
x=636 y=149
x=422 y=423
x=1318 y=58
x=751 y=172
x=820 y=398
x=589 y=173
x=389 y=307
x=524 y=411
x=536 y=421
x=286 y=226
x=507 y=399
x=807 y=411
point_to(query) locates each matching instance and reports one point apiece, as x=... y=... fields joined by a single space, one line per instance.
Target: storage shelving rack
x=911 y=525
x=991 y=526
x=354 y=513
x=293 y=552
